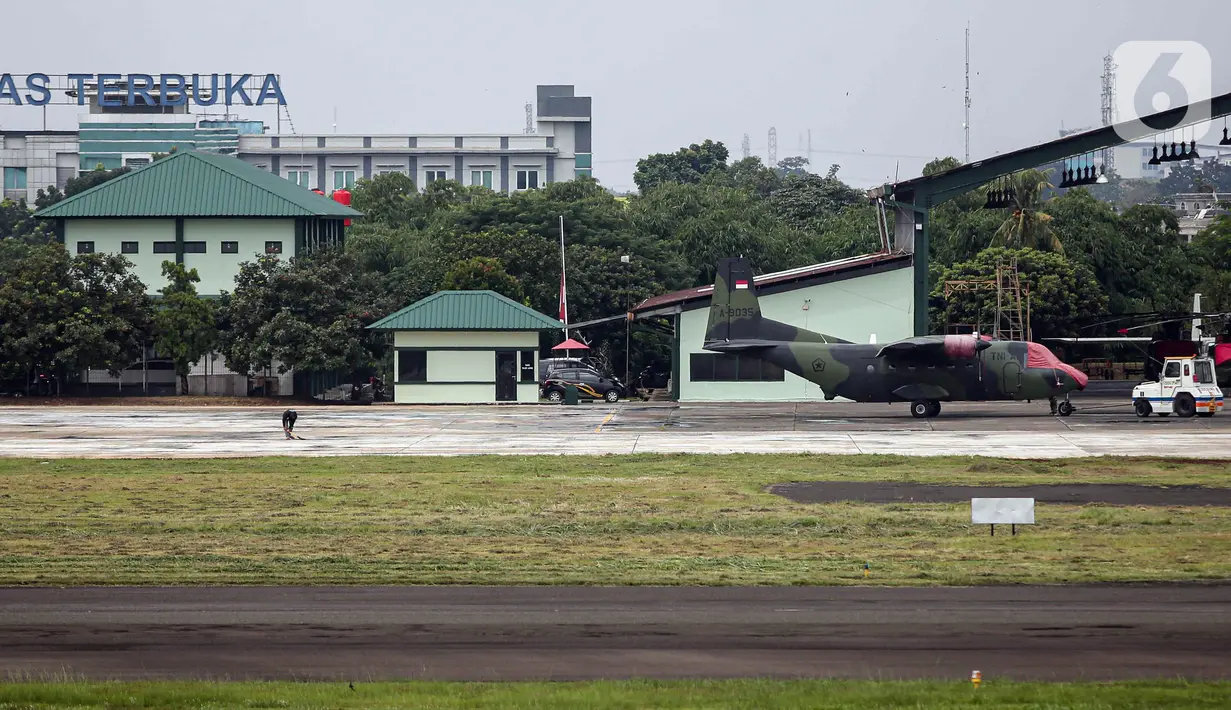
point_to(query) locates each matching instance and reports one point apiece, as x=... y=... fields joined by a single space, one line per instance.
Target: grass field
x=571 y=520
x=834 y=695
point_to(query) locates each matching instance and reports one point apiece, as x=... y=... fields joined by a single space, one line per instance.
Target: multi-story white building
x=559 y=149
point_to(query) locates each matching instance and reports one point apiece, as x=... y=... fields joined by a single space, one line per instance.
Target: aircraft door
x=1011 y=378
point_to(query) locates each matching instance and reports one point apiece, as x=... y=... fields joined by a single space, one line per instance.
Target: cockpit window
x=1172 y=370
x=1205 y=373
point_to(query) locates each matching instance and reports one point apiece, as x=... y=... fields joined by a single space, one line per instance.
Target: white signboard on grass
x=1002 y=511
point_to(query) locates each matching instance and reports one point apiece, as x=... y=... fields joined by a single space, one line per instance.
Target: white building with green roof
x=207 y=211
x=466 y=347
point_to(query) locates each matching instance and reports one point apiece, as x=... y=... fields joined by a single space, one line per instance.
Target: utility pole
x=966 y=124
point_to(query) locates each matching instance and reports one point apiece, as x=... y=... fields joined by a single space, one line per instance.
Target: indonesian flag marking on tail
x=741 y=284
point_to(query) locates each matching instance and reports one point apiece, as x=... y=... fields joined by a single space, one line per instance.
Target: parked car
x=589 y=384
x=551 y=364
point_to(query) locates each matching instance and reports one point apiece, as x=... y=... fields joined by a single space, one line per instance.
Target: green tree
x=1028 y=225
x=793 y=165
x=389 y=199
x=65 y=314
x=308 y=313
x=685 y=166
x=113 y=318
x=47 y=197
x=94 y=178
x=184 y=325
x=1063 y=295
x=752 y=175
x=483 y=274
x=806 y=198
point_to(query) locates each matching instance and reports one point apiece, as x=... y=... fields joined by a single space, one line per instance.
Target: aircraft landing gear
x=1064 y=408
x=920 y=409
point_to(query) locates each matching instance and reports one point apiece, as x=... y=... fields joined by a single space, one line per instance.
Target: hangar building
x=858 y=299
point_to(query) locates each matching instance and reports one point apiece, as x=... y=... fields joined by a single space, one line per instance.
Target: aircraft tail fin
x=734 y=311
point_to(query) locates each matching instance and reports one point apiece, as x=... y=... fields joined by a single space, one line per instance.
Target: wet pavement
x=1014 y=429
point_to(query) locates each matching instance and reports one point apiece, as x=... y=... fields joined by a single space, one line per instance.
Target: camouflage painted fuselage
x=929 y=368
x=856 y=372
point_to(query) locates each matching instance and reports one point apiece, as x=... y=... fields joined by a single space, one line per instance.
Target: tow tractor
x=1186 y=386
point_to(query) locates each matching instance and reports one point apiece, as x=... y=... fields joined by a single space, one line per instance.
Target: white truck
x=1185 y=387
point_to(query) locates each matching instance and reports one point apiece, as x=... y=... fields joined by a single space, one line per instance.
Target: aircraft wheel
x=1185 y=405
x=1065 y=408
x=933 y=409
x=920 y=409
x=1142 y=408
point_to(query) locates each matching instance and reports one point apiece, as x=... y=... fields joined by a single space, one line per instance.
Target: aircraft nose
x=1079 y=378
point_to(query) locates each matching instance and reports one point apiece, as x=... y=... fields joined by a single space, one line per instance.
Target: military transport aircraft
x=924 y=371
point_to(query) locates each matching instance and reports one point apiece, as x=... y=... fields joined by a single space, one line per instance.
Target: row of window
x=412 y=366
x=726 y=367
x=169 y=247
x=345 y=179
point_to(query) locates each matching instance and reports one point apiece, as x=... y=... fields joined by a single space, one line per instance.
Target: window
x=481 y=177
x=1172 y=370
x=343 y=179
x=230 y=247
x=412 y=365
x=583 y=160
x=388 y=169
x=194 y=247
x=707 y=367
x=527 y=366
x=1205 y=374
x=14 y=178
x=583 y=173
x=527 y=179
x=432 y=176
x=128 y=248
x=164 y=247
x=302 y=178
x=273 y=247
x=85 y=247
x=136 y=162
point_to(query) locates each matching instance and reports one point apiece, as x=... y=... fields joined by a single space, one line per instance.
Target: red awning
x=571 y=344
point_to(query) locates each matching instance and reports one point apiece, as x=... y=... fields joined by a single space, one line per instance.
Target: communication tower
x=773 y=147
x=1109 y=108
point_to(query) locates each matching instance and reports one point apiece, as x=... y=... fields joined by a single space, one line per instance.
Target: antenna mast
x=1109 y=108
x=966 y=124
x=773 y=147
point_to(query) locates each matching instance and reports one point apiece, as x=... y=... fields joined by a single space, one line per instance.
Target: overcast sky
x=877 y=83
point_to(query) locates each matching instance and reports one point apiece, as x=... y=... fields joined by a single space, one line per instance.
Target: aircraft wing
x=931 y=348
x=738 y=345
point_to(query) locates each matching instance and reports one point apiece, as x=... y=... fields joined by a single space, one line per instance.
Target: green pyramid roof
x=197 y=184
x=467 y=310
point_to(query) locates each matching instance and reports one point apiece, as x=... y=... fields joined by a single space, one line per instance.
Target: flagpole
x=563 y=282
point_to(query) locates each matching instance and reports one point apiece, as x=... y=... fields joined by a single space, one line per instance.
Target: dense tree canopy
x=184 y=324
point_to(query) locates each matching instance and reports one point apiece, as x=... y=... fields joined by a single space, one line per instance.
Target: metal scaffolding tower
x=1012 y=320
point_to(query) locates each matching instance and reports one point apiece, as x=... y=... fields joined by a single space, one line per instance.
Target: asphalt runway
x=477 y=633
x=1011 y=429
x=1070 y=494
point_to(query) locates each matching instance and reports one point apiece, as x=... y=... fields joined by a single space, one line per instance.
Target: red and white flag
x=563 y=301
x=741 y=284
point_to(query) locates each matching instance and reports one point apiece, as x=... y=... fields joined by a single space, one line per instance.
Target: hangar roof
x=802 y=277
x=197 y=184
x=467 y=310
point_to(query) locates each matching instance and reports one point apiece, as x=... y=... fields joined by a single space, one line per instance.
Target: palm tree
x=1028 y=225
